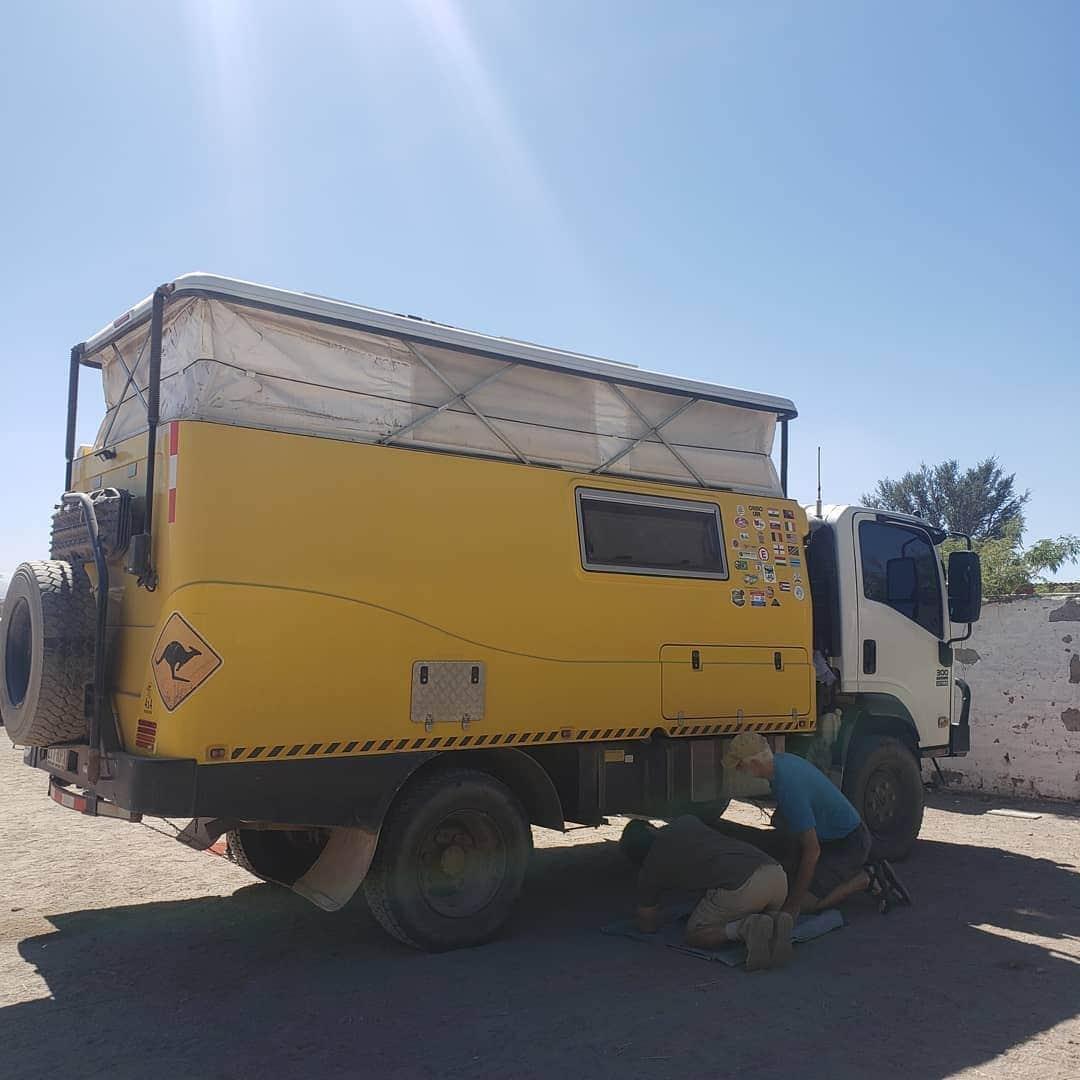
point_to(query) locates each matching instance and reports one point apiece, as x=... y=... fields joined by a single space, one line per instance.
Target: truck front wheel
x=884 y=783
x=451 y=860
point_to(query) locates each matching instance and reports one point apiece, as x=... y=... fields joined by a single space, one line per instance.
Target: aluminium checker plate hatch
x=448 y=691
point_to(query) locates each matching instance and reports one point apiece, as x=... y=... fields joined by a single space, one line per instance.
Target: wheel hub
x=462 y=864
x=882 y=799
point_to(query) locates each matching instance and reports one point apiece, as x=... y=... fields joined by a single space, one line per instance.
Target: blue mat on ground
x=673 y=934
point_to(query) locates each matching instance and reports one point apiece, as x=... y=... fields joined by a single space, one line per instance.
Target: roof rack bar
x=660 y=435
x=641 y=438
x=467 y=403
x=143 y=551
x=438 y=410
x=72 y=410
x=783 y=456
x=123 y=393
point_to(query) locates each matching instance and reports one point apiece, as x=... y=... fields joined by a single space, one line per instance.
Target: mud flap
x=340 y=869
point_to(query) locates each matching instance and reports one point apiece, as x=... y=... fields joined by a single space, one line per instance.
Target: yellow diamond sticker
x=183 y=660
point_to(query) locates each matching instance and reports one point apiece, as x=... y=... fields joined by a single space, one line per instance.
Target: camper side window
x=641 y=534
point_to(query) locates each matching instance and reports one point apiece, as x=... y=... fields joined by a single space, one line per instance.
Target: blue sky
x=873 y=209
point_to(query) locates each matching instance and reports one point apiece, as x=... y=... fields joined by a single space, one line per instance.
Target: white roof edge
x=436 y=333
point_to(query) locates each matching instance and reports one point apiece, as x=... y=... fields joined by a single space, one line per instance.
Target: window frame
x=935 y=558
x=626 y=498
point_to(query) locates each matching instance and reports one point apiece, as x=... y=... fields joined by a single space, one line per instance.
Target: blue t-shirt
x=808 y=799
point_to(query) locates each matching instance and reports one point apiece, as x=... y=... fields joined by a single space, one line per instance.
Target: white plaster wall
x=1023 y=666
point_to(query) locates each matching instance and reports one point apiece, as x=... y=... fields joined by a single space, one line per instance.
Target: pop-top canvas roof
x=254 y=356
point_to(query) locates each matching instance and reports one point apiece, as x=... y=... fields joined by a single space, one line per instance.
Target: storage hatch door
x=706 y=682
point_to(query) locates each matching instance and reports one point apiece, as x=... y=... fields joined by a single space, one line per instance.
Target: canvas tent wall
x=235 y=353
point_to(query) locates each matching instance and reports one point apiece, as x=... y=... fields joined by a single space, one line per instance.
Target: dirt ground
x=123 y=954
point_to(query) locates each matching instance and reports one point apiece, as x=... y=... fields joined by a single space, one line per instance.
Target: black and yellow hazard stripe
x=464 y=741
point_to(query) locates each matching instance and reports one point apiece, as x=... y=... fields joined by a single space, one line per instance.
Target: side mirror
x=965 y=587
x=901 y=586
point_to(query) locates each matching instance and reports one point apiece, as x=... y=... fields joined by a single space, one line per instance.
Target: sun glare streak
x=221 y=34
x=454 y=48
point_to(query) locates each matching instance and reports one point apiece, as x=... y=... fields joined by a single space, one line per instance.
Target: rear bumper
x=159 y=787
x=311 y=791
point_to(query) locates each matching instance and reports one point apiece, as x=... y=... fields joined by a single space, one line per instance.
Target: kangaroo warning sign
x=183 y=660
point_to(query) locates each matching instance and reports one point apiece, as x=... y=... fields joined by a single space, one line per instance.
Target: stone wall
x=1023 y=666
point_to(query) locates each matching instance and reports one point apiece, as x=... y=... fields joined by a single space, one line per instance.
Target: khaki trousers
x=764 y=890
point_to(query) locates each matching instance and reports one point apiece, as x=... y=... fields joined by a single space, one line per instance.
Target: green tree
x=1008 y=568
x=981 y=501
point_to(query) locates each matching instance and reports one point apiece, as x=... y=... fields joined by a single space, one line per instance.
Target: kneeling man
x=833 y=843
x=744 y=888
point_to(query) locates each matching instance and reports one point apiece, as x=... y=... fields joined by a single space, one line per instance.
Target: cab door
x=902 y=622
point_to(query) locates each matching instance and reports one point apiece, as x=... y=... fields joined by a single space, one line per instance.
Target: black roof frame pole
x=72 y=411
x=783 y=455
x=141 y=560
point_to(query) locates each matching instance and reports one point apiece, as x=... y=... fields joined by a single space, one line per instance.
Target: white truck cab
x=885 y=618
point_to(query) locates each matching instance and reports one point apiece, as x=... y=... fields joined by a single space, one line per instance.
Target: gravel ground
x=123 y=954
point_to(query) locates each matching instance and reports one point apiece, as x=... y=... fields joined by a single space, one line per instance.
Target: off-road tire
x=277 y=855
x=427 y=808
x=883 y=781
x=46 y=653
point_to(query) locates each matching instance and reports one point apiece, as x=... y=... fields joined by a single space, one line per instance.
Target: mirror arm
x=953 y=641
x=962 y=536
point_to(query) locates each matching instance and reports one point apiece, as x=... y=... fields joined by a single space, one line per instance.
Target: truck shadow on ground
x=260 y=982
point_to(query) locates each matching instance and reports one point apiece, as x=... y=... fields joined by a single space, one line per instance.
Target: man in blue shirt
x=834 y=844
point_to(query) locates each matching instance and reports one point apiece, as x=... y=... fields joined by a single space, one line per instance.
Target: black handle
x=869 y=656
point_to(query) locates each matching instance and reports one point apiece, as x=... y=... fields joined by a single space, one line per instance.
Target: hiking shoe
x=892 y=881
x=757 y=932
x=780 y=949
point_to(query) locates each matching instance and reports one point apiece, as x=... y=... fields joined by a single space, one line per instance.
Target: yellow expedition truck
x=369 y=594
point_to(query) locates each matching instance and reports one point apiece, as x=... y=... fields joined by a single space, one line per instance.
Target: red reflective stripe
x=172 y=505
x=174 y=437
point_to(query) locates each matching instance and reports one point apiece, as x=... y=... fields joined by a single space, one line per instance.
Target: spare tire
x=46 y=653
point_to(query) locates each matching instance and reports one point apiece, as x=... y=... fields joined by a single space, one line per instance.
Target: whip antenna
x=819 y=481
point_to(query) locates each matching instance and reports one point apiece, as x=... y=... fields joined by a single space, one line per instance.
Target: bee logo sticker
x=183 y=660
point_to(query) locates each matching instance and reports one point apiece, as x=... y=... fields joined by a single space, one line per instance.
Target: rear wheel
x=883 y=780
x=46 y=653
x=279 y=855
x=451 y=860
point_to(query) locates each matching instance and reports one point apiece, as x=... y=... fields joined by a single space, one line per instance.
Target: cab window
x=640 y=534
x=900 y=569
